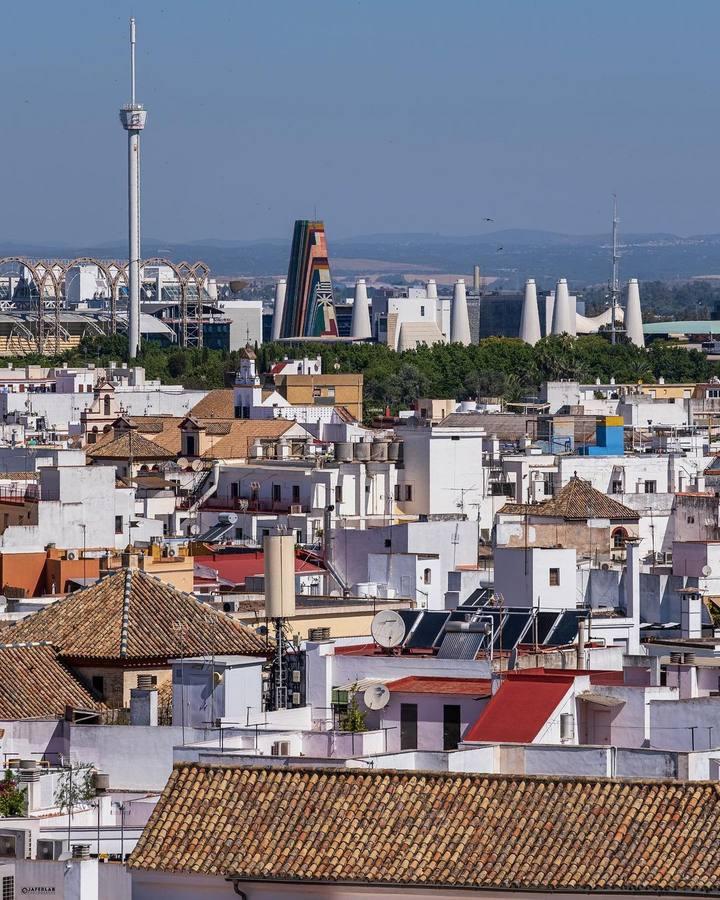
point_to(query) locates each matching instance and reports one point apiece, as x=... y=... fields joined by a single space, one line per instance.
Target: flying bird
x=486 y=219
x=499 y=249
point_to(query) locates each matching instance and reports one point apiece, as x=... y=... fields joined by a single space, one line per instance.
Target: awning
x=600 y=699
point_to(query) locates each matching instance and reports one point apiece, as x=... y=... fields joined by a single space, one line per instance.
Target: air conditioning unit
x=296 y=676
x=296 y=509
x=15 y=844
x=280 y=748
x=296 y=699
x=172 y=552
x=72 y=554
x=48 y=850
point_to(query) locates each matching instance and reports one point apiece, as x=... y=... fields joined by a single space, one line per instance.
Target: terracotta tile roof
x=520 y=709
x=35 y=684
x=218 y=404
x=430 y=684
x=578 y=500
x=129 y=444
x=130 y=615
x=441 y=830
x=237 y=443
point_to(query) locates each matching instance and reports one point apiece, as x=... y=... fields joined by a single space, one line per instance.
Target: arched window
x=106 y=405
x=619 y=536
x=427 y=576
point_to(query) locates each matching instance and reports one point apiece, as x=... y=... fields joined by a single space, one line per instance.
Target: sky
x=378 y=116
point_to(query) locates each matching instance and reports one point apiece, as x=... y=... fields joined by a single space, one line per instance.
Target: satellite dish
x=707 y=571
x=377 y=696
x=194 y=528
x=183 y=462
x=196 y=465
x=387 y=628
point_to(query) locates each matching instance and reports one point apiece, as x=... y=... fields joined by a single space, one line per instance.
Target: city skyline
x=406 y=120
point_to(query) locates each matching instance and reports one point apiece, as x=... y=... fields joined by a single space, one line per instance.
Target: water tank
x=343 y=451
x=379 y=451
x=227 y=518
x=279 y=576
x=394 y=451
x=361 y=451
x=467 y=406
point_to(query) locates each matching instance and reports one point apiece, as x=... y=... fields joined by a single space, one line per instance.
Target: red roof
x=597 y=676
x=429 y=684
x=521 y=707
x=237 y=567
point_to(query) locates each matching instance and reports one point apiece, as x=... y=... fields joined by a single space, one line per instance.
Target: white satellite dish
x=183 y=462
x=377 y=696
x=196 y=465
x=707 y=571
x=194 y=528
x=387 y=628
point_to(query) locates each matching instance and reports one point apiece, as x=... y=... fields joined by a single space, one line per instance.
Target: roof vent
x=81 y=851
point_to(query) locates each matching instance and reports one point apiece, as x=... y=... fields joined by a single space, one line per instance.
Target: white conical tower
x=431 y=290
x=459 y=321
x=280 y=289
x=361 y=314
x=633 y=315
x=530 y=319
x=561 y=309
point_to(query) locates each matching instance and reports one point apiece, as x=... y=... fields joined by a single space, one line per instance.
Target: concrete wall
x=429 y=715
x=523 y=577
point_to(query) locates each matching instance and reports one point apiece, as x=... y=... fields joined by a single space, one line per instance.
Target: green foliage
x=496 y=367
x=75 y=786
x=353 y=719
x=12 y=799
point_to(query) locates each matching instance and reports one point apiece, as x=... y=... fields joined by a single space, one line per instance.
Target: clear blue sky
x=385 y=115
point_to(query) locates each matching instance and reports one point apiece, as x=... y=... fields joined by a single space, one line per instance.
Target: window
x=451 y=726
x=338 y=493
x=277 y=493
x=238 y=534
x=616 y=486
x=408 y=726
x=422 y=312
x=408 y=492
x=190 y=445
x=266 y=532
x=235 y=490
x=554 y=577
x=118 y=524
x=691 y=520
x=397 y=491
x=650 y=487
x=388 y=543
x=106 y=406
x=296 y=493
x=619 y=536
x=98 y=684
x=427 y=576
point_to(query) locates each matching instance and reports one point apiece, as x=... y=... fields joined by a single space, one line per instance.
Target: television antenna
x=388 y=629
x=377 y=696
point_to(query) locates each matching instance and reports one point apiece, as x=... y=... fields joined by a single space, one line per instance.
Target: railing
x=19 y=495
x=245 y=504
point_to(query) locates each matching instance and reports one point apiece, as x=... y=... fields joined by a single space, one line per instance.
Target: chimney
x=144 y=702
x=581 y=644
x=530 y=320
x=459 y=321
x=80 y=881
x=632 y=593
x=690 y=613
x=476 y=280
x=431 y=291
x=279 y=308
x=561 y=309
x=633 y=315
x=360 y=329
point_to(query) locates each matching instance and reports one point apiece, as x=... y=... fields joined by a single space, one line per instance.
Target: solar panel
x=427 y=630
x=460 y=645
x=539 y=632
x=566 y=629
x=410 y=618
x=513 y=628
x=479 y=597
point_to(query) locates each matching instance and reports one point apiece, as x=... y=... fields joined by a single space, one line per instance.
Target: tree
x=353 y=719
x=75 y=786
x=12 y=799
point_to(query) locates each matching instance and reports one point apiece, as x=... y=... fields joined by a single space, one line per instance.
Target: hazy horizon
x=379 y=117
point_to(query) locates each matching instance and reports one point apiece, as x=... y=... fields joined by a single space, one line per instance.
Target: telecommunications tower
x=615 y=280
x=132 y=117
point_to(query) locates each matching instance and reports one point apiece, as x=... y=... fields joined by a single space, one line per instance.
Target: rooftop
x=447 y=830
x=431 y=684
x=578 y=500
x=130 y=615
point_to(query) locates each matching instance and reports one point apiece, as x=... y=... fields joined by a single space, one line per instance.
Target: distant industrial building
x=307 y=307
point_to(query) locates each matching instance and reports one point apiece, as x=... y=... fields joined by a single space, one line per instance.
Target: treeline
x=496 y=367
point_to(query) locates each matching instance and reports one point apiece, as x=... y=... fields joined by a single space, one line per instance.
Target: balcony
x=20 y=495
x=254 y=505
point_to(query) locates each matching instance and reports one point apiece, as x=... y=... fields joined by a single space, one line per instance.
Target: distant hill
x=511 y=255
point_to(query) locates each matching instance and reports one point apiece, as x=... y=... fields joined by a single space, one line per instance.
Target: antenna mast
x=615 y=282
